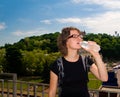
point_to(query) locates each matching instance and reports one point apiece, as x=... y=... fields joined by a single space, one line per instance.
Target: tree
x=34 y=61
x=49 y=59
x=2 y=59
x=13 y=61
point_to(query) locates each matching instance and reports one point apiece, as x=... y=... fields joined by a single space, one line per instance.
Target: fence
x=104 y=93
x=15 y=88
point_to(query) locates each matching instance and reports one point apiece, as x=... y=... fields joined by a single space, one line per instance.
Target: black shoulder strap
x=86 y=65
x=85 y=62
x=61 y=70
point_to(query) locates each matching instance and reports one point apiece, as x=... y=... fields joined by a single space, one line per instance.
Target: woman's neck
x=72 y=57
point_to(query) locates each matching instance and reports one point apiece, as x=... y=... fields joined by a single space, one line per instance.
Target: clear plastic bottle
x=85 y=44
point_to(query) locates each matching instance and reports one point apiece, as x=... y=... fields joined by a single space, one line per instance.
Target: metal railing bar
x=28 y=95
x=21 y=88
x=8 y=89
x=2 y=87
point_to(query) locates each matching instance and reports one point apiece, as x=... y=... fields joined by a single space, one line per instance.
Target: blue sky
x=24 y=18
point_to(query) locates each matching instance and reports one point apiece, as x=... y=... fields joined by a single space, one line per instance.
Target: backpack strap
x=84 y=62
x=85 y=65
x=61 y=70
x=60 y=75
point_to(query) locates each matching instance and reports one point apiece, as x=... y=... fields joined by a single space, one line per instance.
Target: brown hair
x=62 y=38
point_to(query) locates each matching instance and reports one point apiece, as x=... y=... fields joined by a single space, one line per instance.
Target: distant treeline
x=34 y=55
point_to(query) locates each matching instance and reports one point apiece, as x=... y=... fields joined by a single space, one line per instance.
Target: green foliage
x=37 y=62
x=2 y=59
x=13 y=61
x=33 y=61
x=50 y=58
x=110 y=45
x=34 y=55
x=43 y=42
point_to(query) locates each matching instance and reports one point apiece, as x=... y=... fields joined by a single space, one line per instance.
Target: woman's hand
x=91 y=46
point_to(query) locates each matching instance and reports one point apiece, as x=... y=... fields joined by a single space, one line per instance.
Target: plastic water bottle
x=85 y=44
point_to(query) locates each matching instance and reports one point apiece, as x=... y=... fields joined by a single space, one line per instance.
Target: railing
x=15 y=88
x=104 y=93
x=14 y=79
x=24 y=89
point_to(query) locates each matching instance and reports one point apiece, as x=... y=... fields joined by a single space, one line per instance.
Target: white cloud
x=23 y=33
x=46 y=21
x=2 y=26
x=105 y=23
x=35 y=32
x=77 y=1
x=69 y=20
x=108 y=22
x=111 y=4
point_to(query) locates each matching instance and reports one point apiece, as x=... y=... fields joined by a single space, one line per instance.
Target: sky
x=25 y=18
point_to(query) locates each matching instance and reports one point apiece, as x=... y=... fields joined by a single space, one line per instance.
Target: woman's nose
x=80 y=38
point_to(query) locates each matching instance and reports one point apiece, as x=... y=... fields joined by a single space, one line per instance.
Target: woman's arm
x=99 y=68
x=53 y=84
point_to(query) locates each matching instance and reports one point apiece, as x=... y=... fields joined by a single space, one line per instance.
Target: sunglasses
x=75 y=36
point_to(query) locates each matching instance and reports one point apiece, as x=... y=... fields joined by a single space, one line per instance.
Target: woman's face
x=74 y=39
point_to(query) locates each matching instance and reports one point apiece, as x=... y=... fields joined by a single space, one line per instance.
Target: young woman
x=74 y=82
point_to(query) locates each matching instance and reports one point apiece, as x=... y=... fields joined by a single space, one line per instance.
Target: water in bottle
x=85 y=44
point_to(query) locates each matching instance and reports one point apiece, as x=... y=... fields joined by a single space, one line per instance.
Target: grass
x=93 y=83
